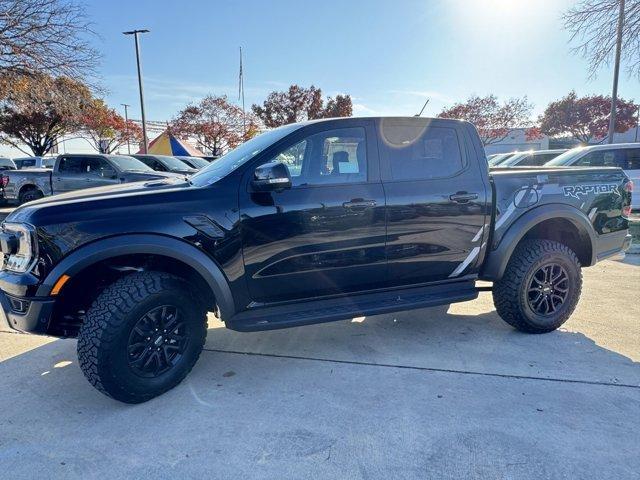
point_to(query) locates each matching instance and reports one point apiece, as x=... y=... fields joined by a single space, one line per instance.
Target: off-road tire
x=104 y=335
x=29 y=195
x=510 y=292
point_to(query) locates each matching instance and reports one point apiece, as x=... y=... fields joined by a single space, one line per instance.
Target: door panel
x=434 y=225
x=69 y=175
x=99 y=173
x=325 y=235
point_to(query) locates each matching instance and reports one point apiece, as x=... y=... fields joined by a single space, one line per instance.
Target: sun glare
x=495 y=10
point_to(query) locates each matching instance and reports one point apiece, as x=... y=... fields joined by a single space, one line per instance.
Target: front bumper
x=29 y=315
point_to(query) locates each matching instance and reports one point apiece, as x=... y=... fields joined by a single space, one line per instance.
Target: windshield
x=129 y=164
x=566 y=158
x=173 y=163
x=195 y=161
x=498 y=159
x=515 y=159
x=48 y=162
x=227 y=163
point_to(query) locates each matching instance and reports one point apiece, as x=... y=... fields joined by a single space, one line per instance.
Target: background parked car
x=498 y=158
x=194 y=162
x=34 y=162
x=7 y=164
x=77 y=171
x=623 y=155
x=531 y=158
x=165 y=163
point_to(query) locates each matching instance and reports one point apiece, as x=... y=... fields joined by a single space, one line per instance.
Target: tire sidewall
x=114 y=363
x=574 y=283
x=30 y=196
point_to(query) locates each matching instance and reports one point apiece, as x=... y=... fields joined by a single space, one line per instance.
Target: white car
x=623 y=155
x=532 y=158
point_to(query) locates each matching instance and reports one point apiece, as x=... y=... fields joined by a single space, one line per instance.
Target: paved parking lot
x=424 y=394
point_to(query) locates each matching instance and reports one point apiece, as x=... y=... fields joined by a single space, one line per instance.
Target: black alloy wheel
x=548 y=289
x=157 y=341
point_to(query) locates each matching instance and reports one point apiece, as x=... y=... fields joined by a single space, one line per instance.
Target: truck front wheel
x=141 y=336
x=540 y=287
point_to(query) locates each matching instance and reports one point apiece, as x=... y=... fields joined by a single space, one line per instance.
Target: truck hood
x=96 y=194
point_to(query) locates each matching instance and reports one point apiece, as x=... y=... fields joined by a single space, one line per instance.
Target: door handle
x=359 y=203
x=463 y=197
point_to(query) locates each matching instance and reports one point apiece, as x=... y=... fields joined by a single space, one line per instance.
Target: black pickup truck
x=307 y=223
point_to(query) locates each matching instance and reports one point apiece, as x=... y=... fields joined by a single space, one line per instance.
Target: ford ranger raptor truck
x=311 y=222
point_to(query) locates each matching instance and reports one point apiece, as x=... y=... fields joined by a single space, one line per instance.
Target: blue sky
x=389 y=55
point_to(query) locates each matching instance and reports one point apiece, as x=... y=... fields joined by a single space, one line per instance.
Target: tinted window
x=71 y=165
x=333 y=156
x=601 y=158
x=417 y=152
x=147 y=161
x=128 y=164
x=537 y=160
x=26 y=163
x=98 y=167
x=632 y=159
x=237 y=157
x=293 y=157
x=546 y=158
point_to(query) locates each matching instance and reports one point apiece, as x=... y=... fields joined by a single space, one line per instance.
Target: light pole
x=616 y=70
x=144 y=123
x=126 y=126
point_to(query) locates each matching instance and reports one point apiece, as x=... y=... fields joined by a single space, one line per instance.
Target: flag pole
x=241 y=96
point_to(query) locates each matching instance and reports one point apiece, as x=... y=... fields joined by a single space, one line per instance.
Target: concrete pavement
x=423 y=394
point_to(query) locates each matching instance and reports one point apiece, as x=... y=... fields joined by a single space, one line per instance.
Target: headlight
x=19 y=247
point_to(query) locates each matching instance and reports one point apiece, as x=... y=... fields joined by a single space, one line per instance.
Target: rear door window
x=71 y=165
x=631 y=159
x=416 y=152
x=601 y=158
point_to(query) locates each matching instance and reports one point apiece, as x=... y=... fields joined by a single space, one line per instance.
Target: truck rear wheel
x=29 y=195
x=141 y=336
x=540 y=287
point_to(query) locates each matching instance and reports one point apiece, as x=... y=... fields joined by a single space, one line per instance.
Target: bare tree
x=46 y=36
x=592 y=25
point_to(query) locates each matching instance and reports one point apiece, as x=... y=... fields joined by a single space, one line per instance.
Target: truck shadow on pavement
x=429 y=340
x=422 y=394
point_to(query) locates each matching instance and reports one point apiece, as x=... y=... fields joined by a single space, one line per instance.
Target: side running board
x=331 y=309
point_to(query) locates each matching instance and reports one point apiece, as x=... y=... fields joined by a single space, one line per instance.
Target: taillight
x=4 y=180
x=626 y=209
x=628 y=187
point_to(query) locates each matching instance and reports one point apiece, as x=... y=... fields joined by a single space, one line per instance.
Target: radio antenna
x=423 y=107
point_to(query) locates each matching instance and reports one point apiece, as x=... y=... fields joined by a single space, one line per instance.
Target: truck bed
x=589 y=189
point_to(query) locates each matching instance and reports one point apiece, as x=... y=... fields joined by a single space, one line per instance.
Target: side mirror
x=271 y=176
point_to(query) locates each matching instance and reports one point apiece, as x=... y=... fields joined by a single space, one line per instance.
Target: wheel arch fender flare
x=154 y=244
x=497 y=260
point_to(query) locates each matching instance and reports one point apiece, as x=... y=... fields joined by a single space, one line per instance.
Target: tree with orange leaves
x=106 y=129
x=215 y=124
x=494 y=120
